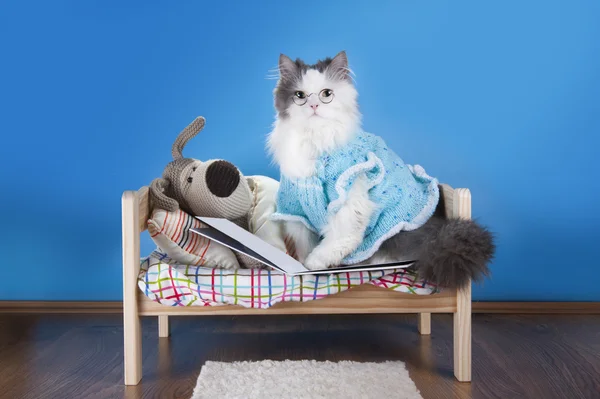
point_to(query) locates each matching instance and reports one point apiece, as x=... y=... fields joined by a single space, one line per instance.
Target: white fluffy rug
x=304 y=379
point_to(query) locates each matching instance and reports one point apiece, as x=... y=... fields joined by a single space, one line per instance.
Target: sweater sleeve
x=313 y=200
x=289 y=207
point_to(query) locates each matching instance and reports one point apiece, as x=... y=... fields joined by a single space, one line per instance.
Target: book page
x=219 y=237
x=251 y=245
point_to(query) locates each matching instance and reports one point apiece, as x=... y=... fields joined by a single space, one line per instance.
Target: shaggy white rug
x=305 y=379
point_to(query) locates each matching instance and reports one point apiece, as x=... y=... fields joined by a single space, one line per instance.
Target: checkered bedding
x=170 y=284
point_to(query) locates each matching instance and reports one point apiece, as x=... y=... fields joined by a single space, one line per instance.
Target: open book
x=231 y=235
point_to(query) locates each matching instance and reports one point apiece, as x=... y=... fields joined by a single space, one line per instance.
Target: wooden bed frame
x=363 y=299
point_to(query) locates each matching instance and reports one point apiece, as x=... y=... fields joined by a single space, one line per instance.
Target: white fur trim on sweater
x=371 y=162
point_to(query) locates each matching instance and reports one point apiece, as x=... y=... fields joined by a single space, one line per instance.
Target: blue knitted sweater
x=406 y=196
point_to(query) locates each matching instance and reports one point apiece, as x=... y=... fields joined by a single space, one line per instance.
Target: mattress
x=171 y=284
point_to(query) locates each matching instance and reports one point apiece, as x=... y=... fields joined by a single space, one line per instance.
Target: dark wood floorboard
x=79 y=356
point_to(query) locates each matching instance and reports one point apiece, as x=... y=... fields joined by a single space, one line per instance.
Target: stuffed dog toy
x=214 y=188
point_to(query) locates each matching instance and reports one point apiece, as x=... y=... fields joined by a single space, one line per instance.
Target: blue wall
x=502 y=98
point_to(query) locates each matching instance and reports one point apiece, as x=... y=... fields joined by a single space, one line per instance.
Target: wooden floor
x=78 y=356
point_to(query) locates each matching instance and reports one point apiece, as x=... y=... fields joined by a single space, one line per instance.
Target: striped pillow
x=170 y=231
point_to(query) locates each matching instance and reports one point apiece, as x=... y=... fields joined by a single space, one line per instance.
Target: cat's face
x=313 y=96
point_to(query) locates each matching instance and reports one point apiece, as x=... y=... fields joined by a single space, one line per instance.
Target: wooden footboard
x=362 y=299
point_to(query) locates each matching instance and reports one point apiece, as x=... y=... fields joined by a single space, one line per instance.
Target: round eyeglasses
x=325 y=95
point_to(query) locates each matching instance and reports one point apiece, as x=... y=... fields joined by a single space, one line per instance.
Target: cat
x=317 y=116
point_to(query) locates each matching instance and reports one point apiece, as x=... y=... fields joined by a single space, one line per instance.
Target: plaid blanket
x=170 y=284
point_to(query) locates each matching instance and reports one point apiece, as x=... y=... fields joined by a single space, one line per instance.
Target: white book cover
x=231 y=235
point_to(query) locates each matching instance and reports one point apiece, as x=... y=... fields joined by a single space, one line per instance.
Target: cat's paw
x=320 y=258
x=314 y=262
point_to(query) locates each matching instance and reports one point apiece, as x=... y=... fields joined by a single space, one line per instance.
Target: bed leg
x=132 y=335
x=163 y=326
x=424 y=323
x=461 y=208
x=462 y=335
x=133 y=348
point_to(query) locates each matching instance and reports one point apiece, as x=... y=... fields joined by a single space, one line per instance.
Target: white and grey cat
x=309 y=124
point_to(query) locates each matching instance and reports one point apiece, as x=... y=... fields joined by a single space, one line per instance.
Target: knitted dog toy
x=214 y=188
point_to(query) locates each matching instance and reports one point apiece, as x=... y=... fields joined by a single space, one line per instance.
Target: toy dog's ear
x=158 y=198
x=186 y=135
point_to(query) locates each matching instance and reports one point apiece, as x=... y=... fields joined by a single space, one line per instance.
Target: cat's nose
x=314 y=106
x=222 y=178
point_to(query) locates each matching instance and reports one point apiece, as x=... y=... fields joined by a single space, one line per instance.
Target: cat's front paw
x=314 y=262
x=320 y=258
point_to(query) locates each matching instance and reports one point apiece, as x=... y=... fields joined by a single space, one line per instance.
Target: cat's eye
x=300 y=95
x=326 y=96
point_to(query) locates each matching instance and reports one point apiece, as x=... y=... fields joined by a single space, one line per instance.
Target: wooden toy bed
x=363 y=299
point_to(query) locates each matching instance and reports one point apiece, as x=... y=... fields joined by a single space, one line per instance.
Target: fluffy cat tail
x=456 y=252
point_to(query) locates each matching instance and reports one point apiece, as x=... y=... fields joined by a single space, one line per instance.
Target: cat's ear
x=287 y=67
x=338 y=68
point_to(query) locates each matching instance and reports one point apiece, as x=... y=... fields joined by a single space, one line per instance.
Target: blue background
x=502 y=98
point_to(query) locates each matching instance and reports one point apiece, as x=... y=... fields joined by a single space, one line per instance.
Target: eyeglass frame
x=306 y=98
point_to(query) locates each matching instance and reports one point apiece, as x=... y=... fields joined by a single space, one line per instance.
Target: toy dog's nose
x=222 y=178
